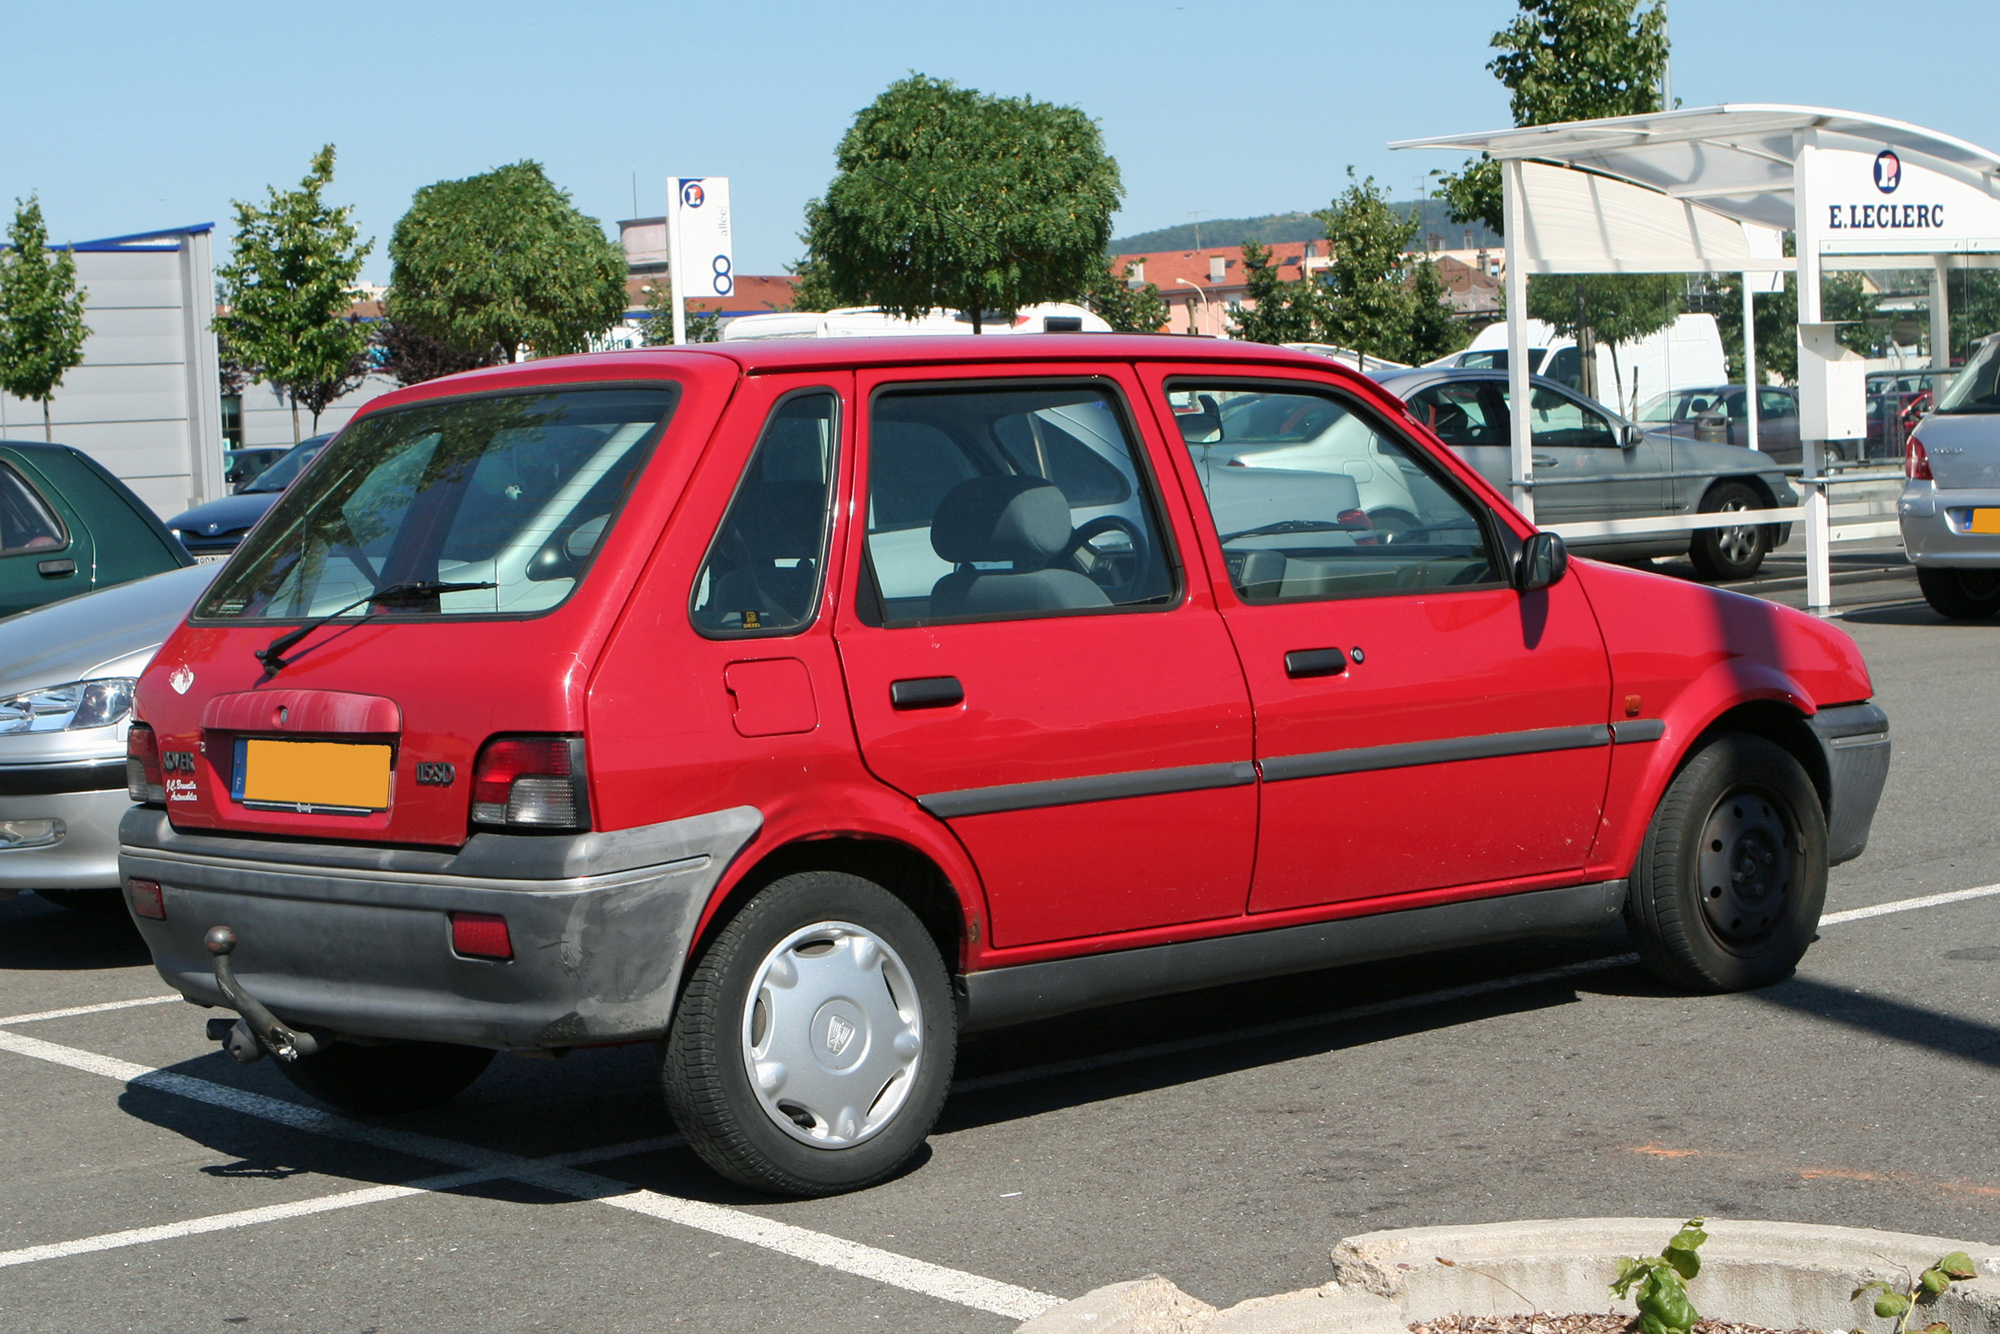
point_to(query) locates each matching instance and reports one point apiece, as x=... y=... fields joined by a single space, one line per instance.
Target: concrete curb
x=1780 y=1275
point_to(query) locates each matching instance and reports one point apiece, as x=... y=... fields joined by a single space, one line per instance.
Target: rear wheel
x=389 y=1078
x=1730 y=553
x=1963 y=595
x=1730 y=880
x=813 y=1045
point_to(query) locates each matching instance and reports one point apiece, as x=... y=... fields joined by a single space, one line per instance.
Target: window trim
x=1149 y=494
x=827 y=515
x=1491 y=528
x=48 y=507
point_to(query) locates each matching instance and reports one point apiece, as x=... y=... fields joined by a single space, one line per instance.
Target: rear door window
x=27 y=522
x=766 y=566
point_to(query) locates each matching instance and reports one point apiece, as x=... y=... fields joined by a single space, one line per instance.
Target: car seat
x=1019 y=522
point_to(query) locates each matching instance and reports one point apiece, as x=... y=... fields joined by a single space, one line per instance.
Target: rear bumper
x=356 y=940
x=1935 y=522
x=1855 y=741
x=86 y=856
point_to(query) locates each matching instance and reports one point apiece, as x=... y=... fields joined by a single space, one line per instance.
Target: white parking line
x=900 y=1271
x=1906 y=905
x=75 y=1010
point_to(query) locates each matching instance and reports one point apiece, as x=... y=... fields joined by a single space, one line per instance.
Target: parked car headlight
x=67 y=707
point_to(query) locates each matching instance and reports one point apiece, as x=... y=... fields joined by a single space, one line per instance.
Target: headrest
x=1020 y=519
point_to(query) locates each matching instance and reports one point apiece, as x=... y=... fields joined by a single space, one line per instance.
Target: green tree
x=1564 y=60
x=702 y=326
x=499 y=262
x=287 y=290
x=1435 y=328
x=1608 y=308
x=409 y=357
x=1369 y=307
x=1277 y=311
x=1124 y=302
x=41 y=312
x=948 y=197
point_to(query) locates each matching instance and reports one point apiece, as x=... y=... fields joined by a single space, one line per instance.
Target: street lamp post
x=1198 y=292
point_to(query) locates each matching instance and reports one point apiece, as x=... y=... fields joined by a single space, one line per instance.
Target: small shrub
x=1899 y=1305
x=1657 y=1284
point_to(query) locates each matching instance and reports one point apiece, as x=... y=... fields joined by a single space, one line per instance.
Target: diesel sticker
x=434 y=773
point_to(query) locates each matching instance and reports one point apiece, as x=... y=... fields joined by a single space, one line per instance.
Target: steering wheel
x=1104 y=568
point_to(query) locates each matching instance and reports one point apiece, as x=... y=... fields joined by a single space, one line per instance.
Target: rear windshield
x=513 y=490
x=1977 y=388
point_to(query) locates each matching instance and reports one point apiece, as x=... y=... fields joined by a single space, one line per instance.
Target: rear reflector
x=480 y=935
x=147 y=901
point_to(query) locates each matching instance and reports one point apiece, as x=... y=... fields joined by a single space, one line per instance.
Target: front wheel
x=382 y=1079
x=1730 y=880
x=1962 y=595
x=1730 y=553
x=813 y=1045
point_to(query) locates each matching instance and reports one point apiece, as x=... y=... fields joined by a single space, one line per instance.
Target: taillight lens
x=531 y=782
x=143 y=780
x=481 y=935
x=1916 y=463
x=147 y=900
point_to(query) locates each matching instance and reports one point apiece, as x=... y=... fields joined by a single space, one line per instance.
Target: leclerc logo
x=1888 y=171
x=692 y=195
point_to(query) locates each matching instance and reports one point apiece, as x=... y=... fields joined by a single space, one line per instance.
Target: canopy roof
x=1736 y=159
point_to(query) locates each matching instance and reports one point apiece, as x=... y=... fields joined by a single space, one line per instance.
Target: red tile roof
x=1163 y=267
x=756 y=294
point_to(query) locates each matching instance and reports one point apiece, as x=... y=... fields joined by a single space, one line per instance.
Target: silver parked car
x=1950 y=506
x=1599 y=466
x=66 y=676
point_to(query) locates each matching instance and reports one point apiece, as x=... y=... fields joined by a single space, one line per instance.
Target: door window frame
x=1501 y=541
x=869 y=606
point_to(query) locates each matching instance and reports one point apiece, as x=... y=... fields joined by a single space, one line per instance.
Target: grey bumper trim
x=1854 y=738
x=356 y=940
x=1410 y=754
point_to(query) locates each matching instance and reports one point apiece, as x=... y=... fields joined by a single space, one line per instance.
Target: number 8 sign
x=698 y=236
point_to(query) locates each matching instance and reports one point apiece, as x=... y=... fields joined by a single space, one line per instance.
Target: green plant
x=41 y=312
x=1924 y=1290
x=1657 y=1284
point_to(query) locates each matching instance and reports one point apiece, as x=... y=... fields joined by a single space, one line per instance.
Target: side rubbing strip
x=1098 y=787
x=1363 y=759
x=1639 y=729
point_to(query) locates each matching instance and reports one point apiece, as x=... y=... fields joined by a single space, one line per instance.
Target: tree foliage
x=1277 y=311
x=1125 y=303
x=503 y=261
x=948 y=197
x=1435 y=328
x=702 y=326
x=1369 y=306
x=1564 y=60
x=410 y=357
x=41 y=312
x=287 y=290
x=1609 y=308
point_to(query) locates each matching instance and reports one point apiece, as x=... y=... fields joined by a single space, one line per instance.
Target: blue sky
x=126 y=117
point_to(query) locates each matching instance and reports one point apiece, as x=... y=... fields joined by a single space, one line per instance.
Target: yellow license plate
x=336 y=774
x=1984 y=521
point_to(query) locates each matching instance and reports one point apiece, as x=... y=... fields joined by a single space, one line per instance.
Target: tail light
x=147 y=900
x=143 y=779
x=1354 y=519
x=1916 y=463
x=480 y=935
x=531 y=782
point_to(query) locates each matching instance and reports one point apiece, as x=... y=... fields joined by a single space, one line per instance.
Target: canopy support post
x=1513 y=212
x=1940 y=314
x=1750 y=361
x=1819 y=536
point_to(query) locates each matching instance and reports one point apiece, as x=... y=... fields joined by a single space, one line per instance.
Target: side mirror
x=1631 y=437
x=1544 y=561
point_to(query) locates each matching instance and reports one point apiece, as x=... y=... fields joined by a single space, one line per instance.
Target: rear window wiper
x=272 y=654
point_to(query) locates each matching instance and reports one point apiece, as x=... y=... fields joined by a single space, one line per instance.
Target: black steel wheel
x=387 y=1078
x=813 y=1044
x=1731 y=877
x=1962 y=595
x=1730 y=553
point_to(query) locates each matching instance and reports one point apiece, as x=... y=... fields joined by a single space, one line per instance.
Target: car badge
x=838 y=1034
x=182 y=679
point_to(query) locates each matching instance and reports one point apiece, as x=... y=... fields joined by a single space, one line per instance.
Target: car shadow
x=1897 y=1020
x=1915 y=612
x=35 y=935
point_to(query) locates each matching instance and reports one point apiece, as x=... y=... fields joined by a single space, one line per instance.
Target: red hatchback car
x=802 y=706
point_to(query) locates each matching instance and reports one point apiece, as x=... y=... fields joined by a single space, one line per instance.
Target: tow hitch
x=258 y=1031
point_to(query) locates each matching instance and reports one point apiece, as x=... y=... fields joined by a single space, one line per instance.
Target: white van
x=1686 y=355
x=872 y=322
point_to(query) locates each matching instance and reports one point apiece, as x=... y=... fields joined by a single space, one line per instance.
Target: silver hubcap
x=833 y=1034
x=1745 y=867
x=1736 y=544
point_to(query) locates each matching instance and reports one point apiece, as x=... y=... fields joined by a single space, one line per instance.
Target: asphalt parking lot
x=1224 y=1139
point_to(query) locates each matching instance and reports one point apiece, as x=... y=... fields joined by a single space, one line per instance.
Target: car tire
x=1728 y=887
x=387 y=1078
x=1962 y=595
x=94 y=902
x=814 y=1042
x=1730 y=553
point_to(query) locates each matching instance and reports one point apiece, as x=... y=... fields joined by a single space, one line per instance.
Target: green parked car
x=67 y=526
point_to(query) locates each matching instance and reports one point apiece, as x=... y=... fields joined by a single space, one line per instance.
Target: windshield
x=1977 y=388
x=280 y=474
x=1687 y=404
x=515 y=490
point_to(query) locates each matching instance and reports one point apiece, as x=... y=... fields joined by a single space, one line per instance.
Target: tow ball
x=258 y=1031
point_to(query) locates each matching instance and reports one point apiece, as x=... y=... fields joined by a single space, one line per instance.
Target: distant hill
x=1275 y=227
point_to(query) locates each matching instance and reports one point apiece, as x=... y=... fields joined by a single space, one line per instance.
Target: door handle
x=55 y=569
x=1546 y=460
x=1302 y=662
x=926 y=692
